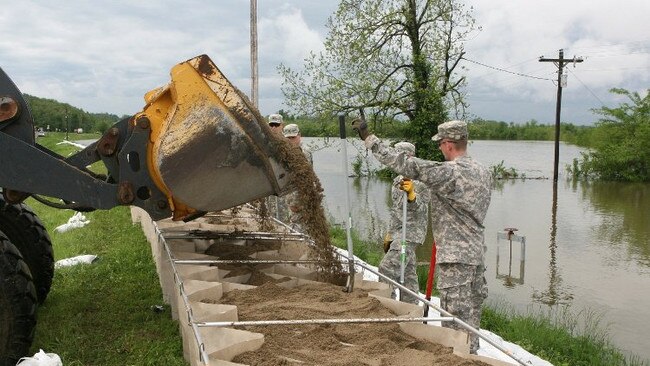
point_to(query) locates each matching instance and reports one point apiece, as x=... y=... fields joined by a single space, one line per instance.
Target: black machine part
x=27 y=168
x=26 y=231
x=17 y=304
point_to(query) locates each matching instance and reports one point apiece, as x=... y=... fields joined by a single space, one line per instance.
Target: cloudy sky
x=102 y=56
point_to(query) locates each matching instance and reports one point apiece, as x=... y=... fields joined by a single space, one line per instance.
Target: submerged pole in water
x=348 y=225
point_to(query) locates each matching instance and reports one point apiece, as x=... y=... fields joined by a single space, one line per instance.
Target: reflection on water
x=626 y=211
x=554 y=294
x=508 y=279
x=584 y=241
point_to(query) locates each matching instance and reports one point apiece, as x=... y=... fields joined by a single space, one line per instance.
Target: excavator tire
x=26 y=231
x=17 y=304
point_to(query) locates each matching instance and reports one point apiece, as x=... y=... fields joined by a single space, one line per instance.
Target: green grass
x=367 y=251
x=100 y=314
x=52 y=140
x=558 y=338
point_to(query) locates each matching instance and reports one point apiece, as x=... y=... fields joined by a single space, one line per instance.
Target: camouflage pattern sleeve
x=416 y=214
x=460 y=196
x=412 y=167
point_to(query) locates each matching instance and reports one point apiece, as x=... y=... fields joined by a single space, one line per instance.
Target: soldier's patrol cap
x=451 y=130
x=275 y=119
x=291 y=130
x=405 y=146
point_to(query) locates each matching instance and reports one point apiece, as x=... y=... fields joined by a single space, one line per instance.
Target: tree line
x=479 y=129
x=618 y=144
x=52 y=115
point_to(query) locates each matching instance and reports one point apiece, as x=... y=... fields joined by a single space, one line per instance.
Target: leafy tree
x=621 y=141
x=397 y=59
x=61 y=116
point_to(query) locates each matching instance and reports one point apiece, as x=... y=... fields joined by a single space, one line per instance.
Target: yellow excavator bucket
x=209 y=149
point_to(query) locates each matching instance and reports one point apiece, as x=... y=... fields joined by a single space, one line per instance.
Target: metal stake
x=348 y=226
x=245 y=261
x=319 y=321
x=402 y=256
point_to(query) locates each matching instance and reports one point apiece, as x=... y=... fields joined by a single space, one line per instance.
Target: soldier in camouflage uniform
x=276 y=205
x=416 y=227
x=276 y=123
x=460 y=195
x=292 y=132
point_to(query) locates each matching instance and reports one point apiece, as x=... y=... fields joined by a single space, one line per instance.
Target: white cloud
x=104 y=55
x=284 y=37
x=287 y=36
x=516 y=33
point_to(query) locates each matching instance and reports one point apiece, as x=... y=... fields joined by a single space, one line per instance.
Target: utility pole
x=561 y=62
x=66 y=124
x=254 y=82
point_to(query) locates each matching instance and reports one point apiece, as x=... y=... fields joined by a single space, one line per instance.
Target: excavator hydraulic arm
x=198 y=145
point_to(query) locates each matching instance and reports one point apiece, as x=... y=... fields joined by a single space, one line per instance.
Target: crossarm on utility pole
x=561 y=62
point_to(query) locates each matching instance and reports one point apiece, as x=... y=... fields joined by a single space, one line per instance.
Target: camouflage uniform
x=460 y=197
x=275 y=205
x=416 y=230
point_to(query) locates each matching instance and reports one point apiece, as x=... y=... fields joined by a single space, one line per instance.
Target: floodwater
x=586 y=245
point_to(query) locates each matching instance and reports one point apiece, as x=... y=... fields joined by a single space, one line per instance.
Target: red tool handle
x=432 y=270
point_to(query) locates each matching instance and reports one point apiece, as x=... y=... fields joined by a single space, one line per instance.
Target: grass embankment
x=557 y=339
x=100 y=314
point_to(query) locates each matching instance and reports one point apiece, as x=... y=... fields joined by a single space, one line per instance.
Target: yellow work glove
x=407 y=186
x=387 y=241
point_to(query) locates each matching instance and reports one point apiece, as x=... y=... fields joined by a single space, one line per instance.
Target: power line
x=586 y=87
x=506 y=71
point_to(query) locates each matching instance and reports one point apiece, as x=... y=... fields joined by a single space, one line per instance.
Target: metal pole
x=402 y=255
x=254 y=69
x=245 y=261
x=251 y=235
x=319 y=321
x=348 y=226
x=67 y=124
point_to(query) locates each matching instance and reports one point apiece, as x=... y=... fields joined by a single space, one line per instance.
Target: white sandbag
x=76 y=221
x=41 y=359
x=73 y=261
